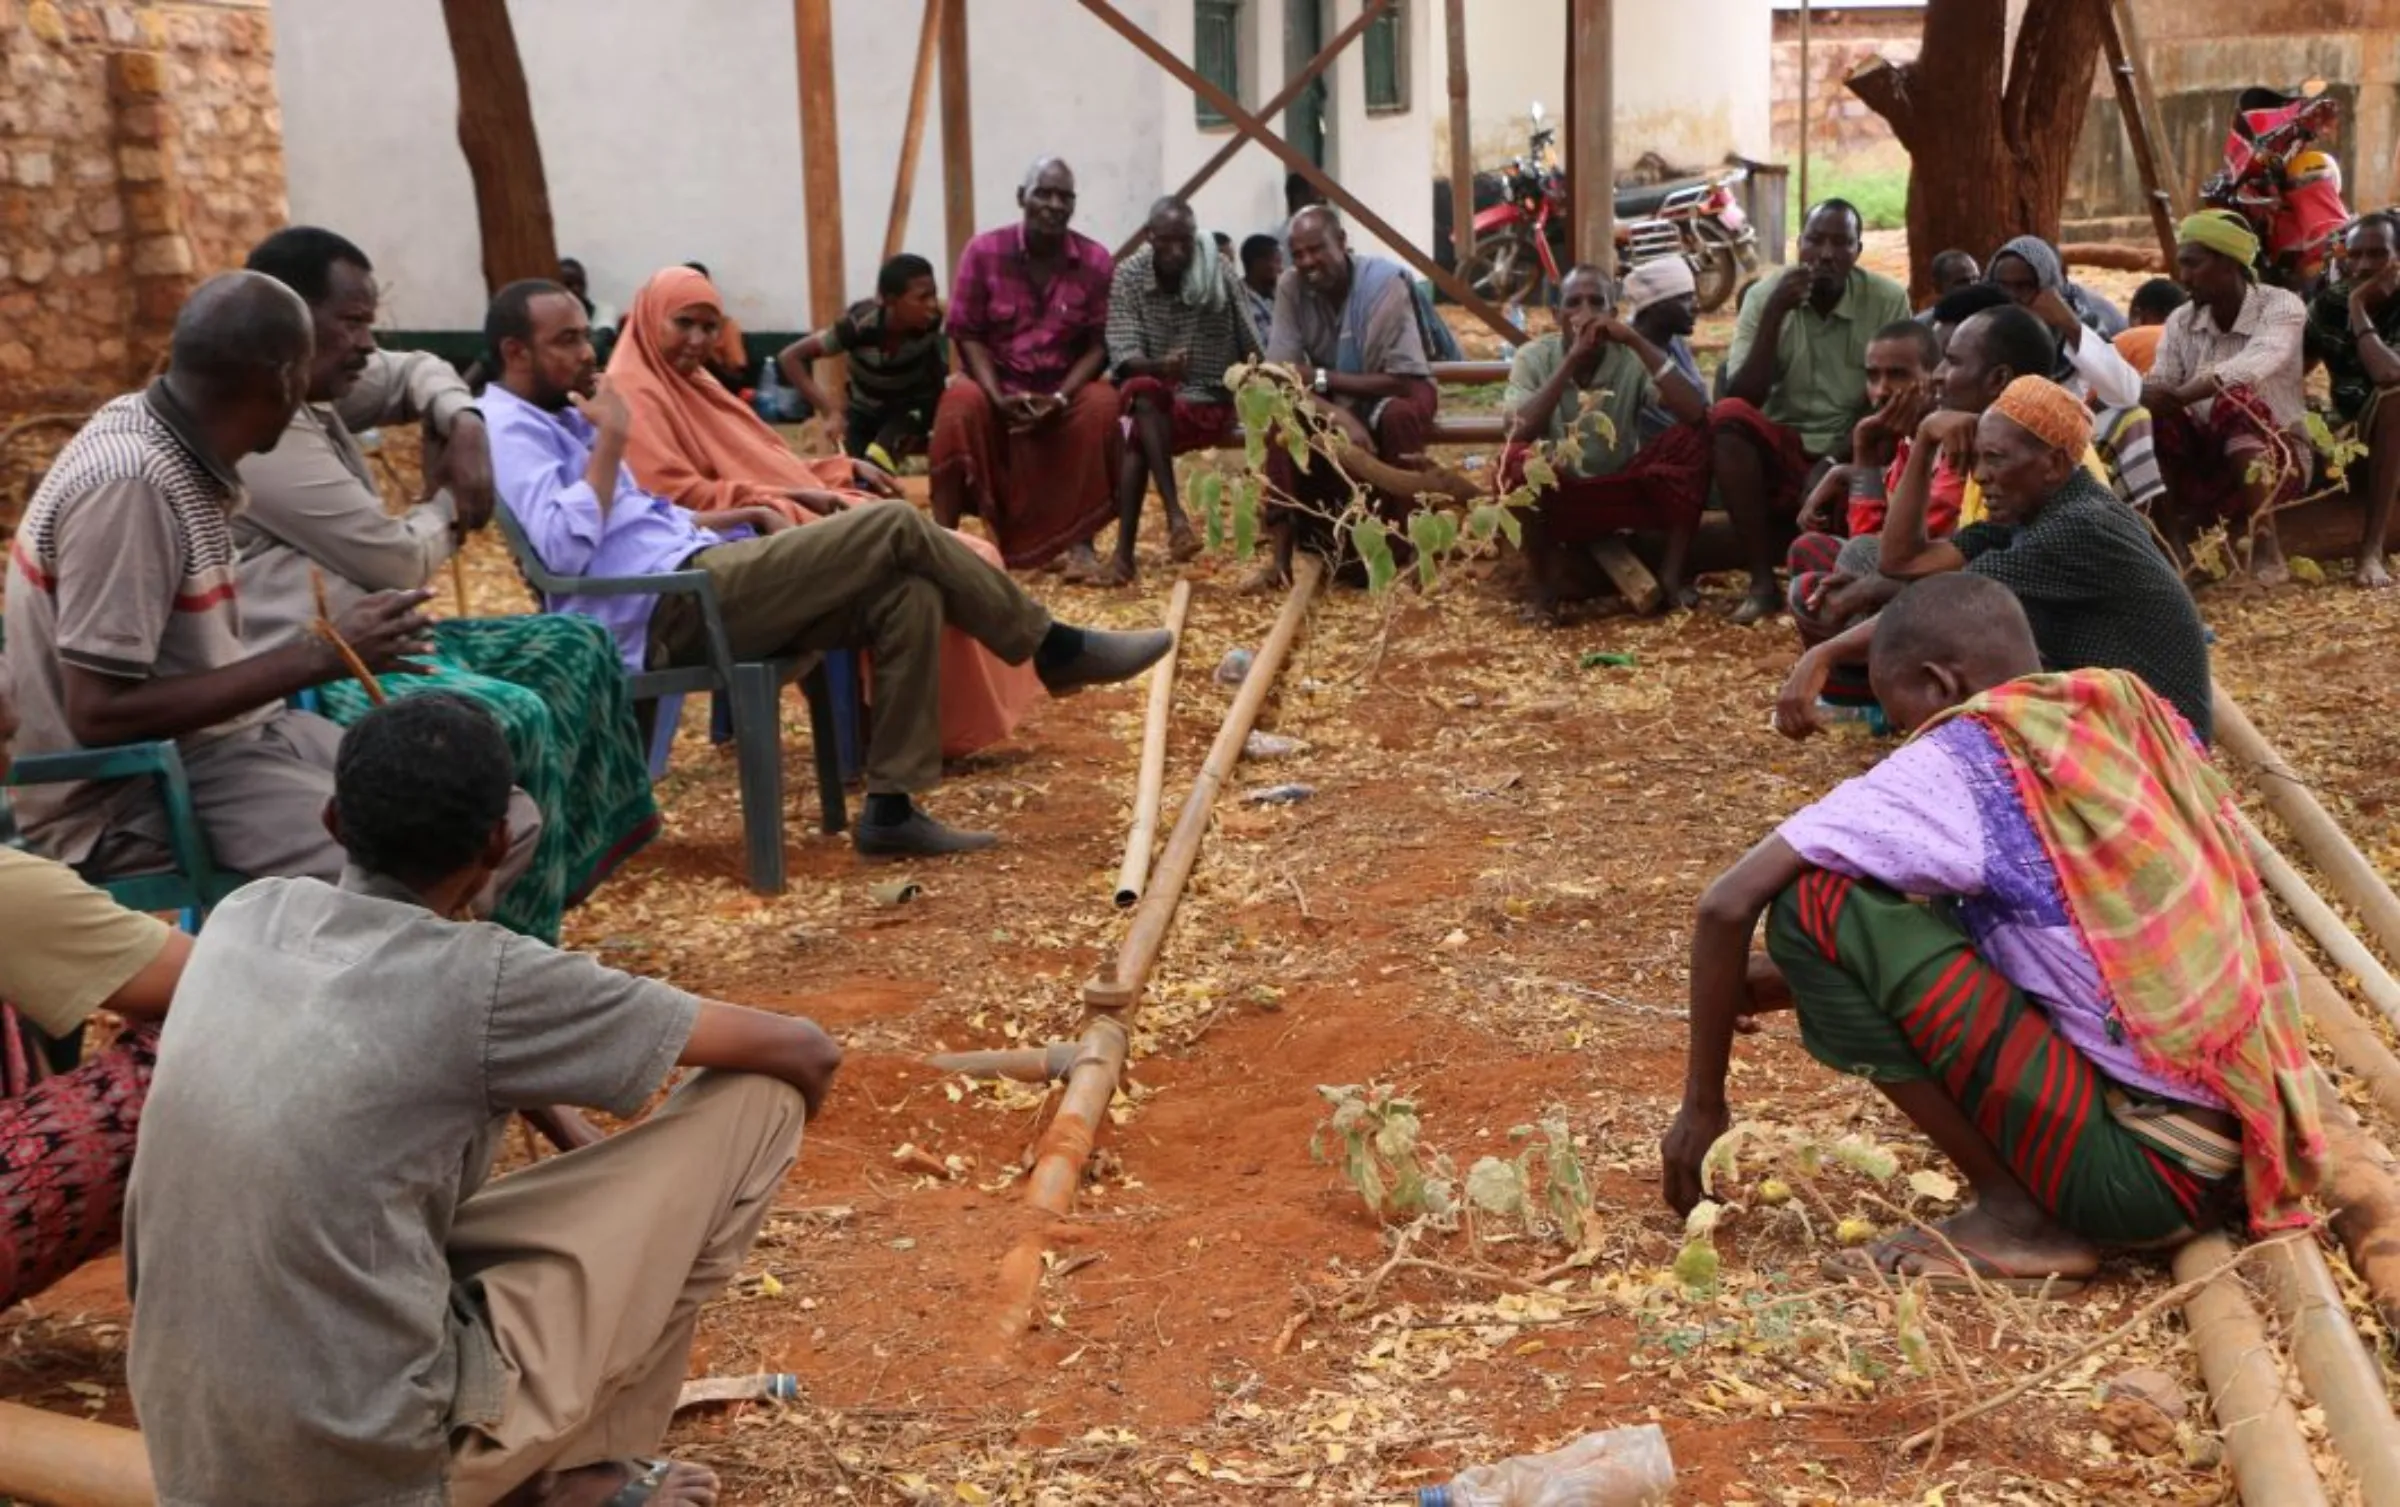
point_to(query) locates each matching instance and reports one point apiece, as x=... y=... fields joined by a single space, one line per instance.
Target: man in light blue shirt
x=882 y=577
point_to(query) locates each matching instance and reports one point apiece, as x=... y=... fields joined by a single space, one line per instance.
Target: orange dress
x=698 y=446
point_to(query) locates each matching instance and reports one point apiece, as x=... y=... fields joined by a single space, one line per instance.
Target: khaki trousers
x=593 y=1266
x=881 y=577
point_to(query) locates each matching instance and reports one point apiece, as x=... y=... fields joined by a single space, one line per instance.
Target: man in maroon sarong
x=1348 y=325
x=1583 y=389
x=1029 y=441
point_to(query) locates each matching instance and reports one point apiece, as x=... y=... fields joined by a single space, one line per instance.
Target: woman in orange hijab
x=699 y=446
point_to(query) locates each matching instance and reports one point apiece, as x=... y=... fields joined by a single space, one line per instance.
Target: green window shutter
x=1386 y=44
x=1217 y=52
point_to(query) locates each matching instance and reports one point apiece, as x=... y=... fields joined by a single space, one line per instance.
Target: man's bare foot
x=1115 y=571
x=1182 y=543
x=2011 y=1255
x=2373 y=574
x=1082 y=567
x=1678 y=596
x=653 y=1483
x=1265 y=581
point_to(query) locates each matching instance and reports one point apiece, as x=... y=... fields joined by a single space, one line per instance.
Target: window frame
x=1390 y=28
x=1230 y=14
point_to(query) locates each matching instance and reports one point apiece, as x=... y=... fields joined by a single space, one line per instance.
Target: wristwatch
x=1322 y=384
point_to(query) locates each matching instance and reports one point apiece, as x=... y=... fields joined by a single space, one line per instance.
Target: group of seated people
x=1969 y=488
x=2197 y=404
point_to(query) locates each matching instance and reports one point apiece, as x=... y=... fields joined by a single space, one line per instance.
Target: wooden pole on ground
x=1112 y=998
x=821 y=169
x=2262 y=1433
x=2362 y=1187
x=2353 y=878
x=912 y=136
x=1257 y=130
x=1462 y=139
x=958 y=133
x=2354 y=1042
x=1290 y=91
x=2336 y=1368
x=71 y=1462
x=1591 y=146
x=2322 y=922
x=1152 y=782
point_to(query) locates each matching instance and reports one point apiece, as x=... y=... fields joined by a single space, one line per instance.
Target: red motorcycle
x=1521 y=227
x=2278 y=178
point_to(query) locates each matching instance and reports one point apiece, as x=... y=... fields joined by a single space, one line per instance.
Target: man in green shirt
x=2354 y=328
x=1583 y=389
x=1796 y=385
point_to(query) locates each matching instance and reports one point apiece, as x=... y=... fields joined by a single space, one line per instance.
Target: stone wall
x=143 y=151
x=1840 y=42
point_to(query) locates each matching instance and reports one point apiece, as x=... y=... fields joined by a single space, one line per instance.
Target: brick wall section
x=143 y=151
x=1840 y=124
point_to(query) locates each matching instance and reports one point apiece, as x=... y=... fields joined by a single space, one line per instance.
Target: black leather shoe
x=1107 y=658
x=918 y=837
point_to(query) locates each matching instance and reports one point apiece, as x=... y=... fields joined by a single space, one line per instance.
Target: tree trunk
x=1988 y=153
x=495 y=130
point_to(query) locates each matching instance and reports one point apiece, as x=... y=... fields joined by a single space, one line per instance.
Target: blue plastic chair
x=750 y=687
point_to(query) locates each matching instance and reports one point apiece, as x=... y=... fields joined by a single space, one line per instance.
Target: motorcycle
x=1521 y=227
x=2278 y=179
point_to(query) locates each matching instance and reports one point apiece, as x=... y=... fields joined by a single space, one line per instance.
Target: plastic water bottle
x=773 y=399
x=1617 y=1468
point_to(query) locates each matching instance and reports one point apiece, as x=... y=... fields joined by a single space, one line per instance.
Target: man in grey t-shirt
x=330 y=1305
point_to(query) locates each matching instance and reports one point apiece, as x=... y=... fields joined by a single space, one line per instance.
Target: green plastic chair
x=195 y=884
x=751 y=687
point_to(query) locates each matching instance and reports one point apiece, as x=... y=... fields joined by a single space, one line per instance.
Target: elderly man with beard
x=1347 y=324
x=1176 y=323
x=1796 y=385
x=2095 y=586
x=1029 y=442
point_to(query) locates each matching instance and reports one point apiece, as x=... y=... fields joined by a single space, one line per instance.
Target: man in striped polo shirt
x=124 y=624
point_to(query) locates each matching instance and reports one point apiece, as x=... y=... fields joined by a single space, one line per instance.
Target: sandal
x=1939 y=1269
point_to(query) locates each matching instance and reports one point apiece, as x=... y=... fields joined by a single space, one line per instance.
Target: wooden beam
x=1462 y=139
x=1591 y=139
x=1291 y=90
x=2131 y=75
x=821 y=166
x=503 y=151
x=912 y=136
x=1257 y=130
x=1806 y=79
x=958 y=132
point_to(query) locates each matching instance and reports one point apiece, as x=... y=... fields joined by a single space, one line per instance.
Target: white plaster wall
x=670 y=132
x=1692 y=78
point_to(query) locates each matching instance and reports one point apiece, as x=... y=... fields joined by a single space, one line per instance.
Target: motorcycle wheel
x=1716 y=267
x=1504 y=270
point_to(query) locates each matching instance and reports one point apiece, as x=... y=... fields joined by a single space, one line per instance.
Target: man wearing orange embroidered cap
x=2095 y=586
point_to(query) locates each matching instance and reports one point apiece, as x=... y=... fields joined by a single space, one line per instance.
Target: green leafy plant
x=1372 y=1134
x=1455 y=517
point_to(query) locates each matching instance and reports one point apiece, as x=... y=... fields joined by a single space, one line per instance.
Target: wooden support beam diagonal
x=1257 y=130
x=920 y=85
x=1291 y=91
x=2131 y=74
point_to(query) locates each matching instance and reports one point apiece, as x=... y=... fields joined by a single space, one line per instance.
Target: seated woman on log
x=700 y=447
x=2088 y=1011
